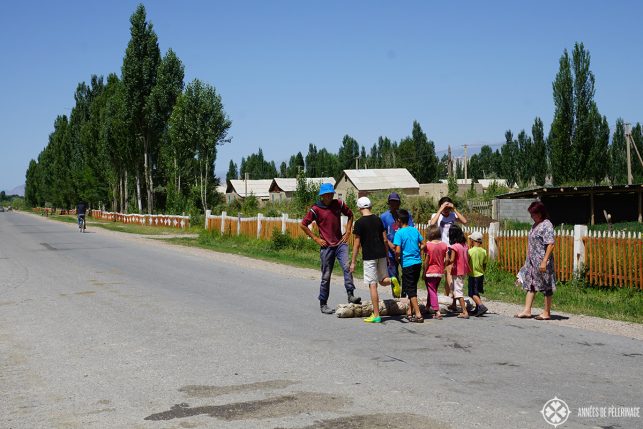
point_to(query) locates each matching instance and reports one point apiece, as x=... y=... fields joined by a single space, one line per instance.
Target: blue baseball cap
x=326 y=188
x=394 y=196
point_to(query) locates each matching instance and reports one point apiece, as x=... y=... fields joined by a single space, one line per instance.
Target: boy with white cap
x=478 y=264
x=369 y=234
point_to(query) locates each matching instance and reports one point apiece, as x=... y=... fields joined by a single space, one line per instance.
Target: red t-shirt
x=435 y=254
x=328 y=220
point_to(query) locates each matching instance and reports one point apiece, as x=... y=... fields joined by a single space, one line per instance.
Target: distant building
x=240 y=189
x=575 y=204
x=283 y=189
x=365 y=182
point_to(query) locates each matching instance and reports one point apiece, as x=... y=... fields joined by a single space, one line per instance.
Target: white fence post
x=238 y=224
x=207 y=216
x=494 y=229
x=580 y=231
x=284 y=219
x=344 y=222
x=223 y=216
x=259 y=218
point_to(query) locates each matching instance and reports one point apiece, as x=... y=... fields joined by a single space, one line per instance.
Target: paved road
x=99 y=331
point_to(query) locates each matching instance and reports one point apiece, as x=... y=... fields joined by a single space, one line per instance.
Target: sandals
x=415 y=319
x=540 y=317
x=522 y=316
x=463 y=316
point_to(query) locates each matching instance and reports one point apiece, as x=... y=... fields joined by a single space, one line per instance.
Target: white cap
x=476 y=236
x=363 y=203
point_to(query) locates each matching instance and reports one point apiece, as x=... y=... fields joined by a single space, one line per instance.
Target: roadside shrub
x=280 y=241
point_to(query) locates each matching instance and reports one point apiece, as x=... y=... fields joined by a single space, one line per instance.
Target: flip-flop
x=522 y=316
x=542 y=318
x=463 y=316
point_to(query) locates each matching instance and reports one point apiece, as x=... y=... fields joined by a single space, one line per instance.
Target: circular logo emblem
x=555 y=412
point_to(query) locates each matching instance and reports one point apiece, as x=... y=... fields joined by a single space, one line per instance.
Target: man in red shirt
x=327 y=214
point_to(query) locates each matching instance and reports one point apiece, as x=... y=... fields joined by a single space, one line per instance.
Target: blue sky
x=292 y=73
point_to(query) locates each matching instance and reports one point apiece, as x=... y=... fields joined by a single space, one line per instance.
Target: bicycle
x=81 y=223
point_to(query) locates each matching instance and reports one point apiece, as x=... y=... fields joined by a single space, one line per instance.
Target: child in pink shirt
x=459 y=261
x=436 y=252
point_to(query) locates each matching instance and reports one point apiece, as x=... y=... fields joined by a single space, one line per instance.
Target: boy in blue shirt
x=408 y=243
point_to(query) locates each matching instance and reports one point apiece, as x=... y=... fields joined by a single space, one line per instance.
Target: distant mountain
x=18 y=190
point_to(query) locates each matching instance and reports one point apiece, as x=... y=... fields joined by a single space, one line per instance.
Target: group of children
x=446 y=255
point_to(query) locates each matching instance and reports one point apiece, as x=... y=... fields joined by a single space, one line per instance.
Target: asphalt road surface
x=99 y=330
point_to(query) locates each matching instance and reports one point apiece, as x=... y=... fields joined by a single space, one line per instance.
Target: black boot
x=352 y=299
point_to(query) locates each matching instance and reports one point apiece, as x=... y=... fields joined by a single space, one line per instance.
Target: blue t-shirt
x=390 y=226
x=409 y=239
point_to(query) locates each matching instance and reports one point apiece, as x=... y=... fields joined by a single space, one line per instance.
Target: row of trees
x=139 y=140
x=576 y=150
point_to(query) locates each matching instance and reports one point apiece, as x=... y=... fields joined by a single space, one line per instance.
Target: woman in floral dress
x=537 y=275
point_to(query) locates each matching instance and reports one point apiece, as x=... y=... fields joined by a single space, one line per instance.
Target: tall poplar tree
x=559 y=142
x=539 y=154
x=139 y=74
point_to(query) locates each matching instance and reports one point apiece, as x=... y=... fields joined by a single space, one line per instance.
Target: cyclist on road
x=81 y=209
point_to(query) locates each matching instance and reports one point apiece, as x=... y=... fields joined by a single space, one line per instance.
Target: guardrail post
x=494 y=229
x=223 y=216
x=580 y=231
x=259 y=218
x=344 y=222
x=284 y=220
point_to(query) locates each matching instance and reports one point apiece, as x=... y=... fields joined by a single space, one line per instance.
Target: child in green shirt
x=478 y=264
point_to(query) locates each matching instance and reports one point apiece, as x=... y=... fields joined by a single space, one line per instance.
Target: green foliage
x=116 y=148
x=452 y=187
x=618 y=155
x=417 y=154
x=493 y=190
x=305 y=195
x=471 y=193
x=250 y=204
x=257 y=167
x=279 y=240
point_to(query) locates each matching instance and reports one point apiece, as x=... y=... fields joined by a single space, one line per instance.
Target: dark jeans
x=476 y=286
x=328 y=256
x=392 y=266
x=410 y=277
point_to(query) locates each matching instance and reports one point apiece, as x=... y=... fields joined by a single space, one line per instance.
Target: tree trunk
x=147 y=171
x=177 y=179
x=205 y=187
x=126 y=203
x=115 y=195
x=138 y=192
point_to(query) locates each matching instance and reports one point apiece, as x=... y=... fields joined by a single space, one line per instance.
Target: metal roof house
x=579 y=204
x=365 y=182
x=283 y=188
x=239 y=189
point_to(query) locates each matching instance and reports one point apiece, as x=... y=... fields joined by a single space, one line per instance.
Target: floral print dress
x=533 y=280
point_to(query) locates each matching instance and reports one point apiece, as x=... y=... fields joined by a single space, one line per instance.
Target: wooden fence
x=614 y=259
x=512 y=252
x=168 y=221
x=609 y=259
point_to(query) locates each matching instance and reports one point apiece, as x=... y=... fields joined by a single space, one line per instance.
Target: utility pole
x=246 y=183
x=465 y=163
x=628 y=135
